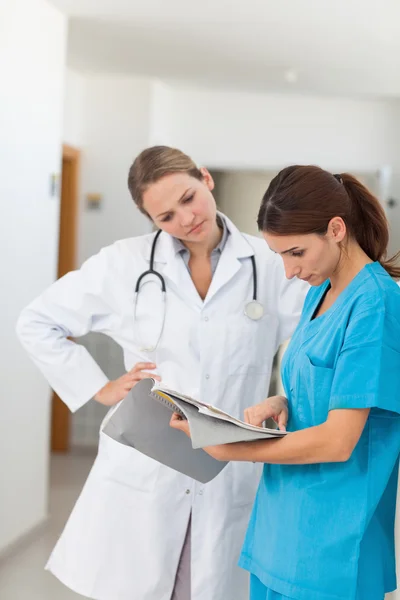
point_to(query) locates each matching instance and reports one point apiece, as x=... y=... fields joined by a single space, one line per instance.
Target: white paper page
x=218 y=414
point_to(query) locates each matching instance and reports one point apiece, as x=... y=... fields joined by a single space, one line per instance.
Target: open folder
x=142 y=419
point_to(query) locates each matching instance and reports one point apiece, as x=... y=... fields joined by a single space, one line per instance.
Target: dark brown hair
x=154 y=163
x=303 y=199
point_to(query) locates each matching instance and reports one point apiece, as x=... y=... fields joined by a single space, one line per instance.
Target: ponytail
x=370 y=225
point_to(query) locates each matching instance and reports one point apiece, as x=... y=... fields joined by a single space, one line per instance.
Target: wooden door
x=60 y=416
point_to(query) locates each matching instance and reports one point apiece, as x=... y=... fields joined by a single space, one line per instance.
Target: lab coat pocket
x=126 y=466
x=318 y=389
x=250 y=345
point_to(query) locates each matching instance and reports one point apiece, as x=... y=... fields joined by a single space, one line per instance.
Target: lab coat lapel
x=174 y=270
x=237 y=248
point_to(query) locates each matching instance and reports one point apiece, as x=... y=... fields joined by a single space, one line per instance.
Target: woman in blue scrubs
x=322 y=526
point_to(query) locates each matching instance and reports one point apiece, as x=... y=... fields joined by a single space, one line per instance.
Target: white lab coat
x=124 y=537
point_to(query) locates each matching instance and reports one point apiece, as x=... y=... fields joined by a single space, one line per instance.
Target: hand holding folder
x=142 y=420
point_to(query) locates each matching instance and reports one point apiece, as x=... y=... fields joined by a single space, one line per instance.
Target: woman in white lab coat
x=139 y=530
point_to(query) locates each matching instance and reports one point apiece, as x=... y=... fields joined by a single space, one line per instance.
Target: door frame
x=67 y=251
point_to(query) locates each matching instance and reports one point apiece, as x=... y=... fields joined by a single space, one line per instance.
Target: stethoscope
x=253 y=309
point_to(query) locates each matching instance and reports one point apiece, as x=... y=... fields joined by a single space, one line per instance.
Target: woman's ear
x=207 y=179
x=337 y=229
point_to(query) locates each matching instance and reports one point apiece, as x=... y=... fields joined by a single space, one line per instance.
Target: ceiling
x=339 y=47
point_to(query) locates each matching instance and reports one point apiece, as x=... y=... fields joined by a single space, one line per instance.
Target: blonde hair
x=154 y=163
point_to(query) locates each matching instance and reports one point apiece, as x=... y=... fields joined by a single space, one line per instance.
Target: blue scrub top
x=326 y=531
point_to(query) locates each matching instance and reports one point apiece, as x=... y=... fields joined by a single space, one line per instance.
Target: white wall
x=161 y=107
x=74 y=109
x=32 y=57
x=116 y=124
x=243 y=130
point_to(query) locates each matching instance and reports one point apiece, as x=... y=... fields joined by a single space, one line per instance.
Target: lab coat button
x=206 y=318
x=187 y=492
x=207 y=376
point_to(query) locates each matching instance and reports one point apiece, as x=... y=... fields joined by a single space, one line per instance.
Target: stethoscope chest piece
x=254 y=310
